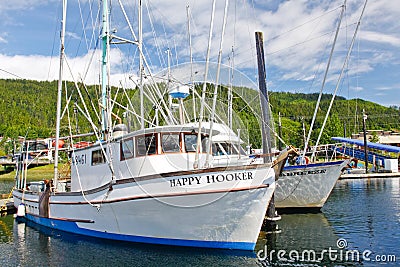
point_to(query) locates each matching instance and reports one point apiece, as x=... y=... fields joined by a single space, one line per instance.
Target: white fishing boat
x=307 y=186
x=163 y=183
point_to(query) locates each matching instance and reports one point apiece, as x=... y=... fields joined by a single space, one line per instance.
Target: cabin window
x=127 y=149
x=170 y=143
x=146 y=145
x=217 y=150
x=204 y=144
x=229 y=148
x=190 y=142
x=98 y=157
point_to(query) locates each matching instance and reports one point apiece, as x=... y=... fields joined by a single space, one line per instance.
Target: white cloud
x=28 y=67
x=22 y=4
x=387 y=88
x=380 y=38
x=37 y=67
x=357 y=89
x=72 y=35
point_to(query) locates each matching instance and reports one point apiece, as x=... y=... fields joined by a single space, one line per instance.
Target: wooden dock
x=369 y=175
x=36 y=162
x=7 y=205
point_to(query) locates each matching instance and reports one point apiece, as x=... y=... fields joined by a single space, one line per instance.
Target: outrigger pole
x=59 y=90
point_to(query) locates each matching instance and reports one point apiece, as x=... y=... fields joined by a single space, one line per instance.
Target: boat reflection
x=68 y=249
x=6 y=223
x=299 y=232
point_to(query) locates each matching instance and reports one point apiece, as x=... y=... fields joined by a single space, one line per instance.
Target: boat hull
x=225 y=214
x=307 y=186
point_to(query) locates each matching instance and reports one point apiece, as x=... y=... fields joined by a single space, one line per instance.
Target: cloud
x=78 y=68
x=22 y=4
x=380 y=38
x=357 y=89
x=72 y=35
x=388 y=88
x=380 y=94
x=36 y=66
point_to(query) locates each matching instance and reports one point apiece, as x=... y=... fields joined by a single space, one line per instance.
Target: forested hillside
x=345 y=116
x=28 y=109
x=27 y=106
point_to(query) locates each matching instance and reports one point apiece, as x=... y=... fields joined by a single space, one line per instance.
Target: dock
x=7 y=162
x=369 y=175
x=7 y=205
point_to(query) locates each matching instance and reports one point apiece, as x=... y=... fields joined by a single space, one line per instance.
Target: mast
x=59 y=90
x=271 y=216
x=230 y=95
x=169 y=78
x=266 y=140
x=104 y=81
x=365 y=142
x=280 y=132
x=214 y=103
x=140 y=45
x=203 y=94
x=191 y=61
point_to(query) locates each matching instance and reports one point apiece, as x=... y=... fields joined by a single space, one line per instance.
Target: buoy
x=21 y=210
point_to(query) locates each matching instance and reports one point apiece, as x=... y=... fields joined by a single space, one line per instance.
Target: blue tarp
x=387 y=148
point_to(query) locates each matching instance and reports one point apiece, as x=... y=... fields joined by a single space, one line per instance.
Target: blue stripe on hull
x=72 y=227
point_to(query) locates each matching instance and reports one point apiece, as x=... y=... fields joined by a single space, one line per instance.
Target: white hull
x=221 y=211
x=307 y=186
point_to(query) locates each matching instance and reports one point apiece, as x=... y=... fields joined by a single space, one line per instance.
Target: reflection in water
x=299 y=232
x=366 y=213
x=6 y=224
x=40 y=246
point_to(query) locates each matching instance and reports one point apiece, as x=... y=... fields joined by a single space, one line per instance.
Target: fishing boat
x=164 y=183
x=307 y=186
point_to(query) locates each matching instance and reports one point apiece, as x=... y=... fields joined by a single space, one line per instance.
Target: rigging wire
x=324 y=80
x=15 y=75
x=304 y=23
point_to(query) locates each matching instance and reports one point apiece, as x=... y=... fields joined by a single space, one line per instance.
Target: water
x=364 y=214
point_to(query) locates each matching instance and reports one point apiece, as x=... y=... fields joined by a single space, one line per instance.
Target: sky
x=298 y=38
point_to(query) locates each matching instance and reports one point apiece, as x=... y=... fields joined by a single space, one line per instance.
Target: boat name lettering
x=79 y=159
x=212 y=178
x=297 y=173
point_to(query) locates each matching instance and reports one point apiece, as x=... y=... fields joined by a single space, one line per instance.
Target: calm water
x=364 y=215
